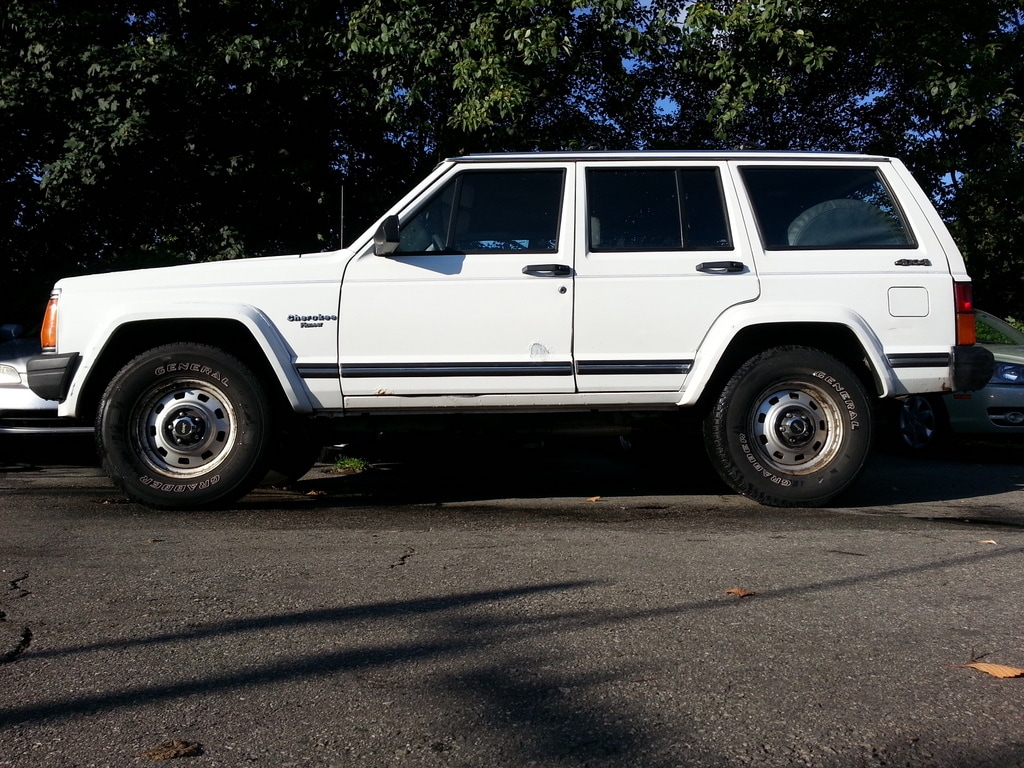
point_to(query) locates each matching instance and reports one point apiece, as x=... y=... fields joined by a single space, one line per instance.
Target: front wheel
x=184 y=426
x=791 y=427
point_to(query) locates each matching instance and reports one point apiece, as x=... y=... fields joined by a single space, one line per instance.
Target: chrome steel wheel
x=796 y=428
x=184 y=428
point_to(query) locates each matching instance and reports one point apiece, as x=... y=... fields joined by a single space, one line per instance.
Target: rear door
x=658 y=259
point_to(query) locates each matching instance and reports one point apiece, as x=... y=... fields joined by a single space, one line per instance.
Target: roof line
x=671 y=154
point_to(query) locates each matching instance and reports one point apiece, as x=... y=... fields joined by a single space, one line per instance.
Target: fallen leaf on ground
x=996 y=670
x=740 y=592
x=174 y=748
x=594 y=498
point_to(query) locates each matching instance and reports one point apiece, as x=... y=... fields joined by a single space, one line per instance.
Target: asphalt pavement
x=555 y=605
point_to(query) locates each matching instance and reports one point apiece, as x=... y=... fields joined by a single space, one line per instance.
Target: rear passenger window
x=489 y=212
x=656 y=209
x=825 y=208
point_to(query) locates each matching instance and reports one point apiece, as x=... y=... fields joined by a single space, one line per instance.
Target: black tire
x=792 y=427
x=184 y=426
x=922 y=424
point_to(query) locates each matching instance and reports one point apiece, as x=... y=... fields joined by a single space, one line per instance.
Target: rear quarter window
x=825 y=209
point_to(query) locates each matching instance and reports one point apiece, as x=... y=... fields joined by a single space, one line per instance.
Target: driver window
x=489 y=212
x=427 y=230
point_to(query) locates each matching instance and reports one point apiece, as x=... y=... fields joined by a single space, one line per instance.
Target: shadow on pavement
x=442 y=470
x=584 y=468
x=548 y=706
x=33 y=451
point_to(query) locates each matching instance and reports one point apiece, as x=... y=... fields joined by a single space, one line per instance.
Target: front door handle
x=547 y=270
x=721 y=267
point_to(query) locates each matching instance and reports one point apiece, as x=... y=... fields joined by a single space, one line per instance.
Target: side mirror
x=385 y=239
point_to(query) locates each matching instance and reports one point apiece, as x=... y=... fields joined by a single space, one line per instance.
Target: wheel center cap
x=795 y=428
x=187 y=429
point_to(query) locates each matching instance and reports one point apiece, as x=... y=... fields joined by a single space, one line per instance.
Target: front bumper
x=996 y=410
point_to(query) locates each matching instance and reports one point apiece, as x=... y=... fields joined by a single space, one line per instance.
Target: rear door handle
x=721 y=267
x=547 y=270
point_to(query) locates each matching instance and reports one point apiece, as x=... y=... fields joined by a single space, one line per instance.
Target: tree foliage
x=155 y=132
x=508 y=74
x=140 y=132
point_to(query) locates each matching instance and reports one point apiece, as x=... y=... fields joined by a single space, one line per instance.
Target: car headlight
x=1008 y=373
x=9 y=376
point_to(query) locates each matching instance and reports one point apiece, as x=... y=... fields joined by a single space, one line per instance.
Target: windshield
x=992 y=330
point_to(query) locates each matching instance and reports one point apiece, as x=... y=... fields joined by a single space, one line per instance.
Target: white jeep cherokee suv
x=779 y=297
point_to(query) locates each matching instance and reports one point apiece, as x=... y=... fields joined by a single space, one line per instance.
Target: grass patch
x=350 y=465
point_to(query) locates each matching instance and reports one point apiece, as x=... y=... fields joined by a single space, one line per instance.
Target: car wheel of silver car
x=921 y=423
x=184 y=426
x=791 y=427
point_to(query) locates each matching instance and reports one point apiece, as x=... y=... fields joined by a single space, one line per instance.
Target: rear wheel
x=791 y=427
x=184 y=426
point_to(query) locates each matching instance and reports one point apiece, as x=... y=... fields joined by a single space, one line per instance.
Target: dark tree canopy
x=141 y=133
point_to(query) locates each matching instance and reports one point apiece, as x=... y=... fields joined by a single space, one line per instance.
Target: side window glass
x=705 y=226
x=825 y=208
x=489 y=212
x=656 y=209
x=633 y=210
x=427 y=230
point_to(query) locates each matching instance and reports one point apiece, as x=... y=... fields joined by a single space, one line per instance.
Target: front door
x=477 y=298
